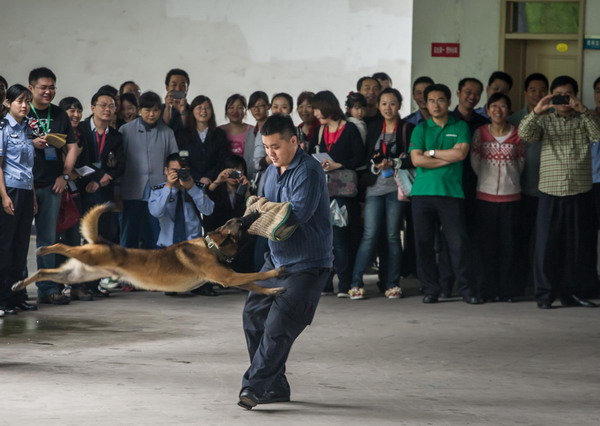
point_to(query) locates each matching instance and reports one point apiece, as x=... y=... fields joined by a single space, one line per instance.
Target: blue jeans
x=138 y=225
x=45 y=228
x=380 y=210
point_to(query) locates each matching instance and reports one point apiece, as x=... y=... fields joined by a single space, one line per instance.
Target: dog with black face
x=177 y=268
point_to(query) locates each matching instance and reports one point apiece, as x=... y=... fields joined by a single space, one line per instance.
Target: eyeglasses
x=46 y=88
x=106 y=106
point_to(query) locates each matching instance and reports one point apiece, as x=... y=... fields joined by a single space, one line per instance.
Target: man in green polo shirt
x=438 y=147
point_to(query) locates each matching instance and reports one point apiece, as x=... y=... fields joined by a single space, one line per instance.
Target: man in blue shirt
x=271 y=324
x=177 y=205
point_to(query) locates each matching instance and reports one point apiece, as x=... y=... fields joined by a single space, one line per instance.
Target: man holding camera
x=178 y=203
x=564 y=261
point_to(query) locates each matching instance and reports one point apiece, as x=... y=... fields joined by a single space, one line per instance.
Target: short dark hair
x=536 y=76
x=176 y=71
x=382 y=76
x=174 y=156
x=361 y=80
x=422 y=79
x=279 y=123
x=497 y=97
x=192 y=122
x=286 y=96
x=42 y=72
x=232 y=99
x=17 y=90
x=102 y=93
x=125 y=83
x=111 y=90
x=3 y=80
x=466 y=80
x=596 y=81
x=305 y=96
x=257 y=96
x=391 y=91
x=563 y=80
x=437 y=88
x=234 y=161
x=353 y=99
x=150 y=100
x=70 y=102
x=501 y=75
x=131 y=98
x=326 y=102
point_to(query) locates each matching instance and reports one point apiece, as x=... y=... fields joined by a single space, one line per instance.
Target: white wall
x=226 y=46
x=475 y=24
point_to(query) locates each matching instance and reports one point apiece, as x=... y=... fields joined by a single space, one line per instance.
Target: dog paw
x=277 y=290
x=17 y=286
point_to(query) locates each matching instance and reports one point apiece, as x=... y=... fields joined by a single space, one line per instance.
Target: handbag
x=404 y=177
x=68 y=215
x=341 y=182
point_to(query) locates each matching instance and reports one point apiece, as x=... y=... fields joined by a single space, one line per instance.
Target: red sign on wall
x=445 y=50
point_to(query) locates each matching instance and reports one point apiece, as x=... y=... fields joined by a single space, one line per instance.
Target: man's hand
x=40 y=143
x=60 y=184
x=187 y=184
x=8 y=206
x=172 y=177
x=543 y=105
x=105 y=179
x=577 y=105
x=92 y=187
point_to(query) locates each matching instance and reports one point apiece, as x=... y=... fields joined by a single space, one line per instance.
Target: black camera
x=184 y=160
x=236 y=174
x=378 y=158
x=560 y=100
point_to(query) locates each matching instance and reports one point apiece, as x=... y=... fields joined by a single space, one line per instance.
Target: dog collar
x=215 y=249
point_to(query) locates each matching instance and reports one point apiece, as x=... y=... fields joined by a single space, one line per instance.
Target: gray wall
x=226 y=46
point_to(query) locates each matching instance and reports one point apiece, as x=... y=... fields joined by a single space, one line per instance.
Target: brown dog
x=177 y=268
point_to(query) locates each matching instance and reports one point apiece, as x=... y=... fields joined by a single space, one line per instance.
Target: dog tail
x=89 y=223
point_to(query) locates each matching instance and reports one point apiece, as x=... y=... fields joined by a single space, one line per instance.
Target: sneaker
x=100 y=291
x=341 y=295
x=393 y=293
x=109 y=283
x=356 y=293
x=54 y=299
x=67 y=291
x=81 y=293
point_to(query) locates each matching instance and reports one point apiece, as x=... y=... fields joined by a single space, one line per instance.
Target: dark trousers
x=525 y=243
x=345 y=245
x=565 y=256
x=428 y=213
x=497 y=233
x=272 y=324
x=15 y=231
x=139 y=229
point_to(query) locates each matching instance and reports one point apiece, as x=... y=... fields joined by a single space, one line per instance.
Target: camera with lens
x=184 y=160
x=378 y=158
x=236 y=174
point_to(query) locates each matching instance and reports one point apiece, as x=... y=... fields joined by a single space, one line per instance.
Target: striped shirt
x=303 y=184
x=566 y=162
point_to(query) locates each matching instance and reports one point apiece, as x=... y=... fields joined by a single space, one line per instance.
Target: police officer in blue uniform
x=18 y=198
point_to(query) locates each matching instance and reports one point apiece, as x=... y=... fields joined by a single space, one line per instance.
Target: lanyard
x=45 y=128
x=100 y=142
x=383 y=144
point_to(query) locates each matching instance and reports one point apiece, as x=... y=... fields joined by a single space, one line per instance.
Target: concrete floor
x=146 y=359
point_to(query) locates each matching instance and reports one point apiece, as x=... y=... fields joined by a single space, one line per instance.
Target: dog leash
x=215 y=249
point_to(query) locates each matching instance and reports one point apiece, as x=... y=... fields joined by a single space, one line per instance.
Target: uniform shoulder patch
x=154 y=188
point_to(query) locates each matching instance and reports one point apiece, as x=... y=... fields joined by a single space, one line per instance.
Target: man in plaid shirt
x=565 y=254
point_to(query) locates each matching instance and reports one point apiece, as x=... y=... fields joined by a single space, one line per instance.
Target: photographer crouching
x=178 y=204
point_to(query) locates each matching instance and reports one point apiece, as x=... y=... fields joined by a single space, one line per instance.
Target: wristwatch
x=431 y=153
x=66 y=177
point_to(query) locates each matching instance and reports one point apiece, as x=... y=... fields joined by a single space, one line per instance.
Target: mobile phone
x=560 y=100
x=177 y=94
x=236 y=174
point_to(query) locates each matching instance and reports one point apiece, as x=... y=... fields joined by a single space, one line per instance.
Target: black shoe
x=205 y=290
x=446 y=295
x=430 y=299
x=472 y=300
x=544 y=305
x=583 y=302
x=24 y=306
x=8 y=310
x=248 y=399
x=274 y=396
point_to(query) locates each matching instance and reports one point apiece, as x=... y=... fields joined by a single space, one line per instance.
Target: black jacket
x=206 y=159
